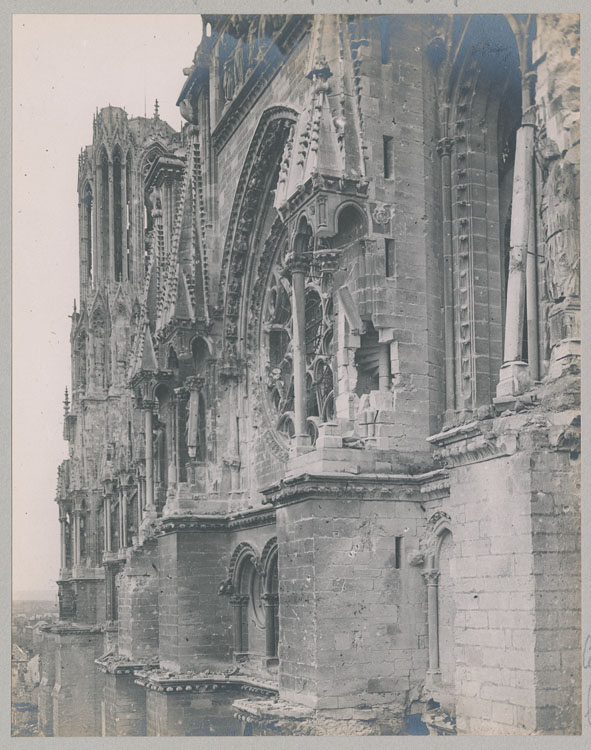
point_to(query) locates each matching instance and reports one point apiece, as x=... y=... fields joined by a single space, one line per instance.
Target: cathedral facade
x=323 y=425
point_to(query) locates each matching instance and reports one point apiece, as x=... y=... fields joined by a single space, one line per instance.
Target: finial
x=74 y=305
x=66 y=402
x=156 y=110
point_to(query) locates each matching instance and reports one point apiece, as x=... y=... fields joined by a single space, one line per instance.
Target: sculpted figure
x=192 y=433
x=265 y=32
x=559 y=213
x=240 y=51
x=229 y=82
x=252 y=43
x=99 y=355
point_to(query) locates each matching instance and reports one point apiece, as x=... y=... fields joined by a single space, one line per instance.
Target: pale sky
x=65 y=66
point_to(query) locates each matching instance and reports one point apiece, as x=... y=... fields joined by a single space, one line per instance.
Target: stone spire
x=326 y=140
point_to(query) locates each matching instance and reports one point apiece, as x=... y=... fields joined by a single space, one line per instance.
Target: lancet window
x=86 y=228
x=118 y=216
x=277 y=345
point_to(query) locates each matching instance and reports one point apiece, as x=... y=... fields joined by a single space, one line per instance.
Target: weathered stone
x=287 y=475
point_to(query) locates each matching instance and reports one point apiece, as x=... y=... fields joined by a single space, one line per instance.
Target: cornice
x=63 y=628
x=343 y=186
x=122 y=665
x=469 y=444
x=364 y=487
x=205 y=682
x=215 y=522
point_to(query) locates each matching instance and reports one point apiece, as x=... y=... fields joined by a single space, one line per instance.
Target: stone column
x=297 y=266
x=237 y=602
x=514 y=372
x=62 y=543
x=444 y=150
x=431 y=578
x=76 y=538
x=194 y=385
x=270 y=603
x=531 y=290
x=108 y=543
x=173 y=441
x=123 y=507
x=179 y=394
x=150 y=506
x=520 y=225
x=140 y=498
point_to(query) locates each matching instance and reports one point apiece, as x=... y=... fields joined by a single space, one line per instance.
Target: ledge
x=72 y=628
x=469 y=444
x=188 y=521
x=204 y=682
x=110 y=664
x=366 y=487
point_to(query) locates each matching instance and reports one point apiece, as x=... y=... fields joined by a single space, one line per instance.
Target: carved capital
x=194 y=383
x=226 y=588
x=327 y=260
x=431 y=576
x=295 y=263
x=239 y=600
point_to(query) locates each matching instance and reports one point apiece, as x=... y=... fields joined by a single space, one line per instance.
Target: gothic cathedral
x=323 y=425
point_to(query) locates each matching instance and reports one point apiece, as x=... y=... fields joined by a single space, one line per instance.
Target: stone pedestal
x=194 y=622
x=513 y=380
x=78 y=690
x=344 y=644
x=124 y=706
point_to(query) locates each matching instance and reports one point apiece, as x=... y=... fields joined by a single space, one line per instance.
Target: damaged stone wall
x=401 y=584
x=353 y=630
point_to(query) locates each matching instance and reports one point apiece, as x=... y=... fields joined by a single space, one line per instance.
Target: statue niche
x=80 y=363
x=99 y=350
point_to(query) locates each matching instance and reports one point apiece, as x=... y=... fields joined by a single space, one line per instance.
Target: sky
x=64 y=68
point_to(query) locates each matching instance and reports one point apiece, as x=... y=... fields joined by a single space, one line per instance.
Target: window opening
x=388 y=157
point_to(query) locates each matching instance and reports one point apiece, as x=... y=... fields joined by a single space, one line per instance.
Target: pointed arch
x=241 y=552
x=269 y=550
x=86 y=231
x=149 y=157
x=119 y=201
x=261 y=162
x=102 y=219
x=483 y=84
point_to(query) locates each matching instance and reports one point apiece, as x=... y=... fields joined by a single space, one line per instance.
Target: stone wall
x=124 y=706
x=353 y=626
x=516 y=584
x=138 y=604
x=90 y=600
x=556 y=537
x=494 y=595
x=44 y=693
x=78 y=685
x=196 y=714
x=194 y=624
